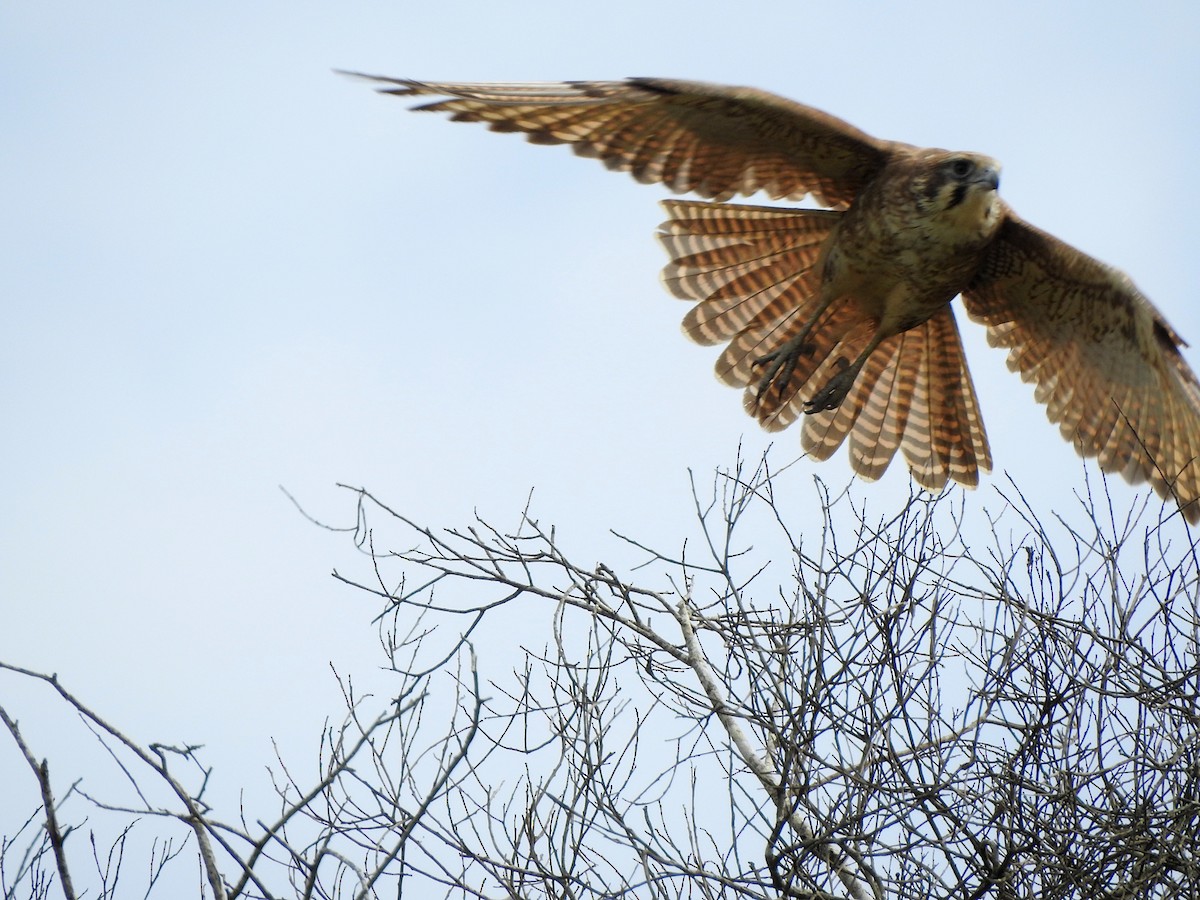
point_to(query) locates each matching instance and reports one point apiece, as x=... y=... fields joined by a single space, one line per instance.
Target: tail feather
x=874 y=415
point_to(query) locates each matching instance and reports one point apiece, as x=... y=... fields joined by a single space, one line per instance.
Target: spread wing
x=1106 y=363
x=707 y=139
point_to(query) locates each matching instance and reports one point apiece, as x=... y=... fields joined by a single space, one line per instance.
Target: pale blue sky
x=227 y=269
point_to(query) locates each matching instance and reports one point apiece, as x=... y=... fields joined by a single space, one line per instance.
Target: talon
x=781 y=360
x=786 y=352
x=832 y=395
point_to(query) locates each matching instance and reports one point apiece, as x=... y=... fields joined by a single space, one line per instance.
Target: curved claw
x=780 y=361
x=832 y=395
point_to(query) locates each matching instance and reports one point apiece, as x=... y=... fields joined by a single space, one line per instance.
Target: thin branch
x=41 y=772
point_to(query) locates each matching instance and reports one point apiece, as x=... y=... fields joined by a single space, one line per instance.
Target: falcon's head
x=959 y=190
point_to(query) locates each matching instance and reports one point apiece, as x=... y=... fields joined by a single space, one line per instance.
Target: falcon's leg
x=832 y=395
x=782 y=362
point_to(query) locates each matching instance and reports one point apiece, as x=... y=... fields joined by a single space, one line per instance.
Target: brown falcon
x=843 y=313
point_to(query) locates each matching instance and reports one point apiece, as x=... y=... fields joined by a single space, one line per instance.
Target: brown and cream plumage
x=843 y=314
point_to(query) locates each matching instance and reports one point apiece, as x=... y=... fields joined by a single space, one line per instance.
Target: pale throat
x=975 y=218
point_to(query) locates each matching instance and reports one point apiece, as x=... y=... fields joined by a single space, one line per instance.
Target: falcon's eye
x=961 y=168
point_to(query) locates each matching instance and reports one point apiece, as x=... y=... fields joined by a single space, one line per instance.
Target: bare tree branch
x=800 y=699
x=41 y=771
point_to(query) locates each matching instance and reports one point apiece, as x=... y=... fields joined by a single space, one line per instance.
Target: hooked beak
x=988 y=176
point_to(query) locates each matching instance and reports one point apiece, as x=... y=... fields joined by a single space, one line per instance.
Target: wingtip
x=363 y=76
x=385 y=84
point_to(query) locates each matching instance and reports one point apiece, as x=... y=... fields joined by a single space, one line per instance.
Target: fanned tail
x=754 y=273
x=914 y=395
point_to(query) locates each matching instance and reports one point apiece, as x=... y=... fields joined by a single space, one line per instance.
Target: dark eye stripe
x=960 y=193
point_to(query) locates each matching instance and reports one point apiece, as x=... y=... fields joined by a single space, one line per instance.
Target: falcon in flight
x=841 y=316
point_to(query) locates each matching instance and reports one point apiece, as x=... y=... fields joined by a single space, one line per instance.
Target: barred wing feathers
x=1105 y=361
x=712 y=140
